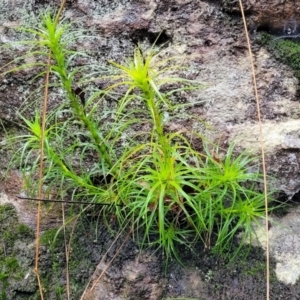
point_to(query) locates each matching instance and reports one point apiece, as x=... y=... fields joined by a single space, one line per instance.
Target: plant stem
x=149 y=95
x=58 y=54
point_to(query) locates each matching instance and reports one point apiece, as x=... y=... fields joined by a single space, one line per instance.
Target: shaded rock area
x=277 y=17
x=208 y=38
x=284 y=245
x=102 y=267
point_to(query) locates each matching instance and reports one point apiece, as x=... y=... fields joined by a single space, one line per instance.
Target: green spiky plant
x=176 y=194
x=171 y=193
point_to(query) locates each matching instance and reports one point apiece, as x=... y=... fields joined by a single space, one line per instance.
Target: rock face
x=280 y=110
x=201 y=33
x=207 y=37
x=278 y=17
x=284 y=239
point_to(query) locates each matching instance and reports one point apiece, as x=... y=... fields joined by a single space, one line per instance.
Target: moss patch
x=52 y=237
x=14 y=255
x=284 y=50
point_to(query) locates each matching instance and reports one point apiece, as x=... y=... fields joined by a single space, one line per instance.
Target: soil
x=208 y=38
x=133 y=273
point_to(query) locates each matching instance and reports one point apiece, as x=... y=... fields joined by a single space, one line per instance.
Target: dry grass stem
x=262 y=154
x=41 y=165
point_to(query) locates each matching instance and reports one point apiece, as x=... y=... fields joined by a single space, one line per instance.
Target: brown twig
x=262 y=154
x=41 y=165
x=67 y=250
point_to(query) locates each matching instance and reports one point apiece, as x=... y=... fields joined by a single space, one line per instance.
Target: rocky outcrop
x=205 y=36
x=277 y=17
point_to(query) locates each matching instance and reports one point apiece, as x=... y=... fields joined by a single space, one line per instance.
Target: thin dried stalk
x=41 y=165
x=262 y=154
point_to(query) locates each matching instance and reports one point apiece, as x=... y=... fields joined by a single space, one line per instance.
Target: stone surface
x=135 y=274
x=201 y=34
x=279 y=17
x=284 y=245
x=209 y=39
